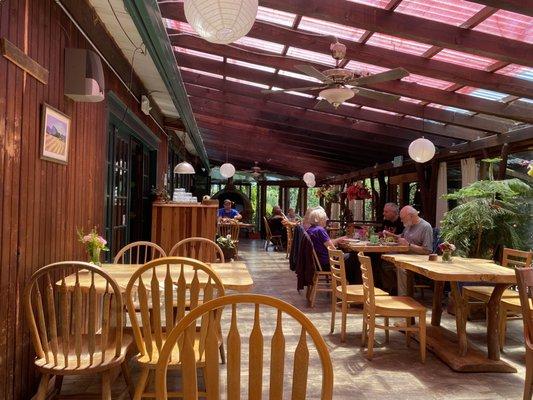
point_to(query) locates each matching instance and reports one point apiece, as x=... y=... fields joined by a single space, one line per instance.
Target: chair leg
x=371 y=331
x=313 y=291
x=407 y=333
x=58 y=384
x=422 y=336
x=344 y=310
x=333 y=311
x=127 y=378
x=387 y=330
x=141 y=383
x=43 y=387
x=222 y=353
x=528 y=384
x=365 y=330
x=106 y=385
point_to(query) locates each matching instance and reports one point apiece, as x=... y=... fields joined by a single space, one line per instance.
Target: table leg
x=460 y=318
x=493 y=311
x=410 y=283
x=436 y=313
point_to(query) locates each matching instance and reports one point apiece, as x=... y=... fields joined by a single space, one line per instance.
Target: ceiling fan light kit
x=336 y=96
x=221 y=21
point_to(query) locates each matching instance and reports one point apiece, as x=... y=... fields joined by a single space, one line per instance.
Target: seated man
x=418 y=235
x=228 y=213
x=391 y=219
x=292 y=216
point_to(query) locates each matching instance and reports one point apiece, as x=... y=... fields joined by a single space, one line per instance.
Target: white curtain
x=469 y=171
x=356 y=206
x=335 y=211
x=442 y=189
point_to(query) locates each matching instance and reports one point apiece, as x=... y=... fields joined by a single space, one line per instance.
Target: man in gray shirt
x=418 y=235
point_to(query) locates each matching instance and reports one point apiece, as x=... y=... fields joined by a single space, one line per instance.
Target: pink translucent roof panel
x=250 y=65
x=398 y=44
x=379 y=110
x=359 y=66
x=373 y=3
x=465 y=59
x=509 y=25
x=453 y=12
x=298 y=76
x=312 y=56
x=453 y=109
x=260 y=44
x=431 y=82
x=197 y=71
x=482 y=93
x=330 y=28
x=518 y=71
x=275 y=16
x=410 y=100
x=198 y=53
x=259 y=85
x=178 y=25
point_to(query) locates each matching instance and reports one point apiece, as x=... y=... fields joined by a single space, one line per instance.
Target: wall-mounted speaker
x=84 y=75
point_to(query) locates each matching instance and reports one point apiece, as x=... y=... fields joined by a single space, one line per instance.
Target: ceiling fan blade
x=312 y=72
x=301 y=89
x=322 y=105
x=380 y=96
x=393 y=74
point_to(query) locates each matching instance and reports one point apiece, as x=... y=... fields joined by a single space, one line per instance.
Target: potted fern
x=490 y=214
x=227 y=244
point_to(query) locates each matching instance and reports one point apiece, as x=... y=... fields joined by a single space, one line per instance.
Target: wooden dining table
x=454 y=349
x=352 y=245
x=234 y=276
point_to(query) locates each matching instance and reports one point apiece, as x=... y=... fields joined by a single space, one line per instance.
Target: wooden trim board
x=22 y=60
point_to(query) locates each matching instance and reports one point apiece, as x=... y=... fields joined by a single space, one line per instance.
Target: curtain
x=469 y=171
x=442 y=189
x=356 y=206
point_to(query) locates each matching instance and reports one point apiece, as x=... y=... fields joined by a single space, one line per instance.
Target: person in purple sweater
x=317 y=220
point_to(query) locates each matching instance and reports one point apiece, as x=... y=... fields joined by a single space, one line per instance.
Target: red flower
x=358 y=192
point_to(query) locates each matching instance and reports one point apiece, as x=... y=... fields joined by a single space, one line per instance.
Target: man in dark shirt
x=391 y=219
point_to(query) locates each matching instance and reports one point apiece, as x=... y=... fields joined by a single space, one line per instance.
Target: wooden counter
x=172 y=222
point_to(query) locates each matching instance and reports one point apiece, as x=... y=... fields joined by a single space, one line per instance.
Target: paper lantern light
x=421 y=150
x=309 y=177
x=311 y=184
x=184 y=168
x=227 y=170
x=221 y=21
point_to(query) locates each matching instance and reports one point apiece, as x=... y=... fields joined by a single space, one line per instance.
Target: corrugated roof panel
x=259 y=85
x=379 y=110
x=465 y=59
x=453 y=12
x=198 y=53
x=275 y=16
x=509 y=25
x=178 y=25
x=250 y=65
x=357 y=66
x=299 y=76
x=197 y=71
x=453 y=109
x=330 y=28
x=398 y=44
x=410 y=100
x=301 y=94
x=373 y=3
x=426 y=81
x=482 y=93
x=313 y=56
x=260 y=44
x=517 y=71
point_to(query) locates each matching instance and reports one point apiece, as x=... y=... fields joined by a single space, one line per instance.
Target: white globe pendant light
x=227 y=170
x=311 y=183
x=421 y=150
x=184 y=168
x=221 y=21
x=309 y=177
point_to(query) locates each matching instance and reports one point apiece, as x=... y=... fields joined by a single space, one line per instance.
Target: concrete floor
x=395 y=371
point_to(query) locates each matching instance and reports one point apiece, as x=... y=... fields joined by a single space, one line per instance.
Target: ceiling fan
x=256 y=172
x=341 y=84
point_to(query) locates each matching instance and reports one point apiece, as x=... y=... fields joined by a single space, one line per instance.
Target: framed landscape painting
x=55 y=135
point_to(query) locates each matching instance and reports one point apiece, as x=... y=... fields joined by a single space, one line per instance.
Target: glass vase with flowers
x=94 y=245
x=446 y=249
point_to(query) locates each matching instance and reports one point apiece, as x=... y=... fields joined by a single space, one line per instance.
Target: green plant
x=226 y=242
x=490 y=214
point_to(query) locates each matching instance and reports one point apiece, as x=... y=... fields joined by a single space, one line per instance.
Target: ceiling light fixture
x=336 y=96
x=184 y=168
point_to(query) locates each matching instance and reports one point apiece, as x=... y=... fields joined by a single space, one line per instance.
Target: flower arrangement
x=446 y=249
x=94 y=244
x=227 y=244
x=329 y=193
x=358 y=191
x=161 y=195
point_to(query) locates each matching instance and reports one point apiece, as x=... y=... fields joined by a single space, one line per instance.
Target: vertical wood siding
x=41 y=202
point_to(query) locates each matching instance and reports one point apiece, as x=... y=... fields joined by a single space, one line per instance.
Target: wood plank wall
x=42 y=203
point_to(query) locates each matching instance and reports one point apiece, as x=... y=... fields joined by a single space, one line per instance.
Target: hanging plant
x=358 y=191
x=330 y=194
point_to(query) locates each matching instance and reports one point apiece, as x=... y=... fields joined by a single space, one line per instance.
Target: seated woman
x=228 y=213
x=317 y=220
x=275 y=223
x=292 y=216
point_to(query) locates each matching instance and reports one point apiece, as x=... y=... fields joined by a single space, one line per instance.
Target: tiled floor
x=394 y=373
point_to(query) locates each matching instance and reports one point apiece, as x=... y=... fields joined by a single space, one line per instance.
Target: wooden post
x=304 y=200
x=503 y=163
x=281 y=200
x=262 y=207
x=382 y=196
x=299 y=207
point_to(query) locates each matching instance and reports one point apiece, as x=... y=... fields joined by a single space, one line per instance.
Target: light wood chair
x=389 y=307
x=524 y=278
x=275 y=240
x=138 y=253
x=183 y=335
x=290 y=236
x=510 y=302
x=164 y=290
x=233 y=229
x=343 y=294
x=198 y=248
x=321 y=281
x=66 y=341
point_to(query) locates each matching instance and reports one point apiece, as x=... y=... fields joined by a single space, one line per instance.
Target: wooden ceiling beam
x=517 y=6
x=412 y=90
x=410 y=27
x=379 y=56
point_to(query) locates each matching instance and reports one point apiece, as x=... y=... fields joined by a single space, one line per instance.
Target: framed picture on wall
x=55 y=135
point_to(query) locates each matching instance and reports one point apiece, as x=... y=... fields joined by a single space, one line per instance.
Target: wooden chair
x=389 y=307
x=510 y=302
x=233 y=229
x=321 y=280
x=198 y=248
x=524 y=278
x=183 y=335
x=67 y=342
x=164 y=290
x=138 y=253
x=344 y=294
x=290 y=236
x=270 y=238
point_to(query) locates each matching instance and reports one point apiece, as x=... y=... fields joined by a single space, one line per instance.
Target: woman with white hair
x=317 y=219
